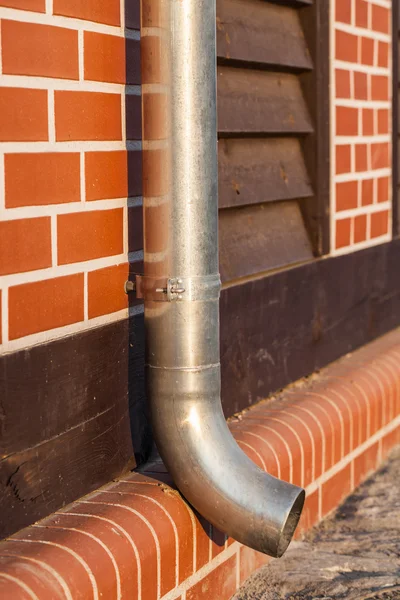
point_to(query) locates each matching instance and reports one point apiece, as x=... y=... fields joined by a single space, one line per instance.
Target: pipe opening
x=291 y=523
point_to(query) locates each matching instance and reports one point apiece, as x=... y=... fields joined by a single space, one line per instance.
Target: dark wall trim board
x=73 y=411
x=299 y=320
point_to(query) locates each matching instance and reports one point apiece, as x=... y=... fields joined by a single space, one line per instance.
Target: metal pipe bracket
x=175 y=289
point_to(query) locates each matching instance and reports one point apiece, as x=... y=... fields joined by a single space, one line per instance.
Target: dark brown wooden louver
x=269 y=202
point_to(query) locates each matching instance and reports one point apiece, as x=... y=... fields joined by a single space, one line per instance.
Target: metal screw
x=130 y=286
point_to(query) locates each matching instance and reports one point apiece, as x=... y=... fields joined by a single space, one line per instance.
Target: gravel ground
x=353 y=554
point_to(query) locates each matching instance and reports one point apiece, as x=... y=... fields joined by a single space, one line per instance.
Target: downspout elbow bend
x=210 y=469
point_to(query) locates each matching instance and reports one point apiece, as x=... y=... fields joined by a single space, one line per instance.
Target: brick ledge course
x=137 y=538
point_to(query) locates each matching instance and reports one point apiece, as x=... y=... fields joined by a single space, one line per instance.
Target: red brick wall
x=70 y=167
x=361 y=97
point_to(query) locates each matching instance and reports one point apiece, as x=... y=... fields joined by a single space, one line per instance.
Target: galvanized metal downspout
x=181 y=285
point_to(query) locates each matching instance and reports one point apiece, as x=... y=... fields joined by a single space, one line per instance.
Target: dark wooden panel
x=58 y=386
x=257 y=102
x=298 y=320
x=316 y=146
x=259 y=238
x=69 y=412
x=41 y=479
x=262 y=34
x=261 y=170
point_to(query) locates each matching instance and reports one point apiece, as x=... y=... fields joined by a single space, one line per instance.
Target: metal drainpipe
x=181 y=285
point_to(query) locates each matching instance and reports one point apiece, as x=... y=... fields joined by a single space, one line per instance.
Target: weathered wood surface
x=252 y=102
x=316 y=146
x=259 y=238
x=277 y=329
x=72 y=414
x=260 y=171
x=353 y=555
x=273 y=125
x=262 y=34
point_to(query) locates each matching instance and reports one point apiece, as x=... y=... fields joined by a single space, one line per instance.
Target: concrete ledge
x=137 y=538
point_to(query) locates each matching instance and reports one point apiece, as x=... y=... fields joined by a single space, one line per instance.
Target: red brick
x=104 y=57
x=361 y=13
x=31 y=5
x=360 y=228
x=88 y=235
x=342 y=83
x=380 y=156
x=42 y=178
x=277 y=466
x=379 y=223
x=250 y=561
x=305 y=437
x=272 y=428
x=136 y=529
x=343 y=159
x=345 y=405
x=161 y=525
x=283 y=452
x=343 y=11
x=379 y=87
x=346 y=195
x=353 y=397
x=40 y=50
x=372 y=390
x=367 y=51
x=220 y=583
x=43 y=305
x=335 y=490
x=315 y=427
x=383 y=54
x=343 y=231
x=346 y=46
x=390 y=373
x=310 y=515
x=23 y=115
x=368 y=121
x=203 y=532
x=101 y=11
x=178 y=510
x=383 y=189
x=98 y=561
x=383 y=121
x=218 y=540
x=361 y=157
x=346 y=121
x=106 y=290
x=367 y=192
x=335 y=433
x=117 y=544
x=380 y=18
x=360 y=86
x=389 y=441
x=365 y=463
x=36 y=579
x=25 y=245
x=106 y=175
x=155 y=120
x=87 y=116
